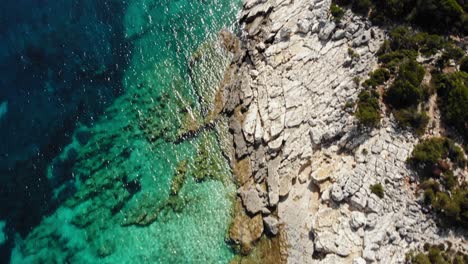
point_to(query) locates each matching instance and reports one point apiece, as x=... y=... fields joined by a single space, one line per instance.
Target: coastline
x=301 y=161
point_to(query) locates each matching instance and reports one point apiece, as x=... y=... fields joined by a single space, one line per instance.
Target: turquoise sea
x=132 y=171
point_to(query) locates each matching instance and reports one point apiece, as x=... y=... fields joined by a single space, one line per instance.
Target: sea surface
x=110 y=148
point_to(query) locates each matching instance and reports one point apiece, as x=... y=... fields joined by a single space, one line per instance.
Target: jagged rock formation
x=306 y=165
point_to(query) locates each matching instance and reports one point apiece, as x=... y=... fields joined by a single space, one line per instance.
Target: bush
x=368 y=111
x=449 y=199
x=429 y=44
x=432 y=15
x=361 y=6
x=337 y=12
x=430 y=151
x=464 y=64
x=453 y=93
x=353 y=54
x=439 y=15
x=410 y=117
x=378 y=190
x=437 y=255
x=377 y=77
x=421 y=259
x=453 y=52
x=403 y=39
x=406 y=90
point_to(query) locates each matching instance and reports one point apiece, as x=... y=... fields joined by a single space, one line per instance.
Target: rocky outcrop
x=311 y=164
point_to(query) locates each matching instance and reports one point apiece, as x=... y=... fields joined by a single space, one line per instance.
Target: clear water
x=132 y=183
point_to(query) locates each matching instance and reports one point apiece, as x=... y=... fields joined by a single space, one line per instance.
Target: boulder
x=271 y=224
x=304 y=26
x=358 y=200
x=273 y=182
x=337 y=193
x=374 y=204
x=358 y=220
x=339 y=34
x=251 y=199
x=327 y=30
x=244 y=230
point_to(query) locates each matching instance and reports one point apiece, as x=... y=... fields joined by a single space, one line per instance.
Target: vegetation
x=378 y=190
x=436 y=255
x=406 y=90
x=435 y=159
x=464 y=64
x=361 y=6
x=368 y=110
x=377 y=77
x=337 y=12
x=431 y=15
x=406 y=94
x=353 y=53
x=429 y=152
x=411 y=117
x=453 y=100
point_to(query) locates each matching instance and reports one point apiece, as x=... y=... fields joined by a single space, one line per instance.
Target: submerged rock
x=251 y=199
x=244 y=230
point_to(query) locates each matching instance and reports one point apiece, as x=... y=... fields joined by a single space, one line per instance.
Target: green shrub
x=429 y=196
x=406 y=90
x=464 y=64
x=361 y=6
x=431 y=15
x=441 y=188
x=368 y=110
x=377 y=77
x=421 y=259
x=453 y=93
x=378 y=190
x=430 y=151
x=438 y=15
x=453 y=52
x=429 y=44
x=437 y=255
x=337 y=12
x=353 y=53
x=410 y=117
x=393 y=59
x=402 y=38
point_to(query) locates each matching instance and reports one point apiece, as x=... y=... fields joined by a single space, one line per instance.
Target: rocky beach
x=303 y=163
x=254 y=131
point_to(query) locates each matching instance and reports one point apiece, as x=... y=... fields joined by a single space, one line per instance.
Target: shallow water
x=144 y=180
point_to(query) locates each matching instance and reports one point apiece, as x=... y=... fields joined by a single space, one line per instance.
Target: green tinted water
x=146 y=193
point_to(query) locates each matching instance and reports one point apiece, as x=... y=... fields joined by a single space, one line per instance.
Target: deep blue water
x=61 y=63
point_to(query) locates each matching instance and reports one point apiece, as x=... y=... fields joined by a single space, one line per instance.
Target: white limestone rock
x=273 y=182
x=271 y=224
x=337 y=193
x=327 y=30
x=251 y=199
x=358 y=220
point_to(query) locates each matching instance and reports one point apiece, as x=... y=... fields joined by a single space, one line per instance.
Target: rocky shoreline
x=303 y=165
